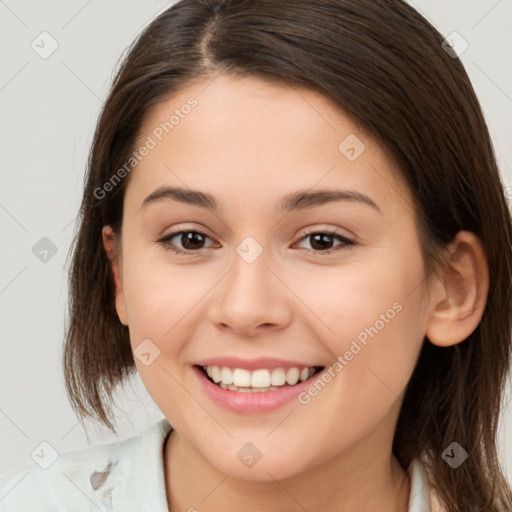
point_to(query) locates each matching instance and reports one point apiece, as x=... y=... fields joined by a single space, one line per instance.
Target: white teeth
x=215 y=373
x=292 y=376
x=241 y=377
x=278 y=377
x=226 y=375
x=242 y=380
x=260 y=379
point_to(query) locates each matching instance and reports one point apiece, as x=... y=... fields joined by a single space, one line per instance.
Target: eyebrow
x=300 y=200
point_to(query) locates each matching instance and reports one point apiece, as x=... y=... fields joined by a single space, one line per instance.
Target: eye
x=191 y=240
x=322 y=241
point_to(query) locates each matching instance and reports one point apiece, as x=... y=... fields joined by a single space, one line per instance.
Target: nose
x=251 y=299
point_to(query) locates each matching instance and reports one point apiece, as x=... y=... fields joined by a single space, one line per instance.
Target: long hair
x=385 y=65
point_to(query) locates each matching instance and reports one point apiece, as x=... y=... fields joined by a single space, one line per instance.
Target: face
x=306 y=256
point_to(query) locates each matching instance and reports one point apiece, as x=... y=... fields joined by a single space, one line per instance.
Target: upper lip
x=253 y=364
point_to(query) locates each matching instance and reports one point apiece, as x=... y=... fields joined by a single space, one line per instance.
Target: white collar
x=152 y=473
x=124 y=476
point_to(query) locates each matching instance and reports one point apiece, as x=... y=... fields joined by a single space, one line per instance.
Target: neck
x=365 y=479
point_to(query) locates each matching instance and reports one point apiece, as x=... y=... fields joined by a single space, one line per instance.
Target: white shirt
x=124 y=476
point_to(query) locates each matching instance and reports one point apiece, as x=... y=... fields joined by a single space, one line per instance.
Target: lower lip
x=251 y=403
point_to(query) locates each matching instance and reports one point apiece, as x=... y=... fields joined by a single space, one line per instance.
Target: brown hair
x=384 y=65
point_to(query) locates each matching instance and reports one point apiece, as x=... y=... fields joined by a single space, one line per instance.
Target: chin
x=245 y=461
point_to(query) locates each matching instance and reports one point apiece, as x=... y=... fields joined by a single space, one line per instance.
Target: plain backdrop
x=49 y=107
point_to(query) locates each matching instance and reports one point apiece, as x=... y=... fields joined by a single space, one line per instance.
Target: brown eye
x=190 y=241
x=323 y=241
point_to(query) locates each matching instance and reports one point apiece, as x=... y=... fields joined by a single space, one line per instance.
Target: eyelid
x=183 y=227
x=330 y=230
x=180 y=230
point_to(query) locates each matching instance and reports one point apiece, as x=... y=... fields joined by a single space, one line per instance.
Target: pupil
x=322 y=240
x=191 y=238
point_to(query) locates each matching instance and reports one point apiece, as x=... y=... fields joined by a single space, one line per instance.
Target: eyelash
x=165 y=241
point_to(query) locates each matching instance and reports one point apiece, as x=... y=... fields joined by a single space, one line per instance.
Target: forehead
x=247 y=137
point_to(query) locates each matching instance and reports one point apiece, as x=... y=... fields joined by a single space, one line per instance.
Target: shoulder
x=87 y=479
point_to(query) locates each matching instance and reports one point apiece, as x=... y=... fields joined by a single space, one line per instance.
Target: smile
x=253 y=386
x=259 y=380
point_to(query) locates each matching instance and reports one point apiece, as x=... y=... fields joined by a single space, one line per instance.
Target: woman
x=361 y=371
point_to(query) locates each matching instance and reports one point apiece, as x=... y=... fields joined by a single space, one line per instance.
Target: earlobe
x=459 y=306
x=109 y=242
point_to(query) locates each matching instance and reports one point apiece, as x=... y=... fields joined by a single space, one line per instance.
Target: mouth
x=261 y=380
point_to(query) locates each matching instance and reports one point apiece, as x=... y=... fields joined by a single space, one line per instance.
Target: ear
x=461 y=297
x=114 y=256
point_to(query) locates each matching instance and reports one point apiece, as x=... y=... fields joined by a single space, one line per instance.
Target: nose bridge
x=249 y=297
x=248 y=281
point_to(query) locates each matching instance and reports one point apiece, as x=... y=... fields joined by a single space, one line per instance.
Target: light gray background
x=48 y=111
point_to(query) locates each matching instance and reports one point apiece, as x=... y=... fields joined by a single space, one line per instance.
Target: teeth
x=260 y=379
x=214 y=373
x=278 y=377
x=292 y=376
x=226 y=376
x=242 y=380
x=241 y=377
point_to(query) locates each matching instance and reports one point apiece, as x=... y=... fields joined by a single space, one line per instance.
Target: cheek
x=158 y=294
x=348 y=299
x=375 y=330
x=372 y=316
x=161 y=301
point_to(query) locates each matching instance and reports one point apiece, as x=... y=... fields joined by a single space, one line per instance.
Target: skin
x=248 y=143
